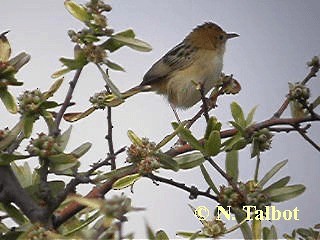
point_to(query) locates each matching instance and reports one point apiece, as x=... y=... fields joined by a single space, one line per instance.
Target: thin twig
x=311 y=74
x=230 y=180
x=309 y=140
x=110 y=139
x=256 y=172
x=55 y=131
x=204 y=103
x=194 y=192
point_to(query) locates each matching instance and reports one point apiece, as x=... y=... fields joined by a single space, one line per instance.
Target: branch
x=55 y=131
x=194 y=192
x=11 y=191
x=305 y=136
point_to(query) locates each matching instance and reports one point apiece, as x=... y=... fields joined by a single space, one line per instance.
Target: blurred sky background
x=276 y=40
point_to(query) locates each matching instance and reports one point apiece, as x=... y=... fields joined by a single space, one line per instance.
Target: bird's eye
x=221 y=37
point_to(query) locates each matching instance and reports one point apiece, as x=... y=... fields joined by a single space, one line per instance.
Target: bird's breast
x=206 y=70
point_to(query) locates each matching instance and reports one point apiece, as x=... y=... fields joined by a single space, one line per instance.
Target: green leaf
x=73 y=117
x=6 y=158
x=15 y=214
x=11 y=136
x=8 y=100
x=237 y=114
x=133 y=43
x=5 y=49
x=24 y=174
x=167 y=162
x=83 y=224
x=81 y=150
x=213 y=144
x=208 y=179
x=109 y=83
x=63 y=163
x=187 y=136
x=74 y=64
x=113 y=45
x=60 y=72
x=249 y=118
x=212 y=125
x=169 y=137
x=191 y=235
x=48 y=104
x=54 y=87
x=114 y=173
x=278 y=184
x=63 y=139
x=269 y=234
x=150 y=233
x=113 y=65
x=256 y=229
x=285 y=193
x=28 y=125
x=232 y=165
x=19 y=61
x=272 y=172
x=126 y=181
x=77 y=11
x=245 y=228
x=190 y=160
x=161 y=235
x=134 y=138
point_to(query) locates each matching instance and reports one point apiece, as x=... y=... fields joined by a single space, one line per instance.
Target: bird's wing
x=178 y=58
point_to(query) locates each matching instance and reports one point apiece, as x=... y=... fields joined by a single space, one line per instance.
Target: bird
x=198 y=59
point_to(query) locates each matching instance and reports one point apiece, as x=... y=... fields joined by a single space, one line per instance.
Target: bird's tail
x=114 y=101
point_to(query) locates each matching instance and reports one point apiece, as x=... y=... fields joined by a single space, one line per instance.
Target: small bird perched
x=198 y=59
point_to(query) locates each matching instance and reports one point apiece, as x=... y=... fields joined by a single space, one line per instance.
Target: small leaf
x=19 y=61
x=272 y=172
x=8 y=100
x=6 y=158
x=77 y=11
x=256 y=229
x=285 y=193
x=245 y=228
x=73 y=64
x=134 y=138
x=81 y=150
x=269 y=234
x=187 y=136
x=237 y=114
x=250 y=116
x=28 y=125
x=278 y=184
x=5 y=49
x=63 y=163
x=11 y=136
x=114 y=66
x=15 y=214
x=109 y=83
x=190 y=160
x=133 y=43
x=212 y=125
x=161 y=235
x=73 y=117
x=213 y=144
x=126 y=181
x=54 y=87
x=113 y=45
x=208 y=179
x=167 y=162
x=60 y=72
x=232 y=165
x=169 y=137
x=63 y=139
x=48 y=104
x=150 y=233
x=191 y=235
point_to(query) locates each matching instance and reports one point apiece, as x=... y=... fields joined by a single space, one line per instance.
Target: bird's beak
x=232 y=35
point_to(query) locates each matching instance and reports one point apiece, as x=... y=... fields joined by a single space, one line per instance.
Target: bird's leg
x=175 y=113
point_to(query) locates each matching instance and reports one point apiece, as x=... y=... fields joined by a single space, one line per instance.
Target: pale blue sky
x=276 y=40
